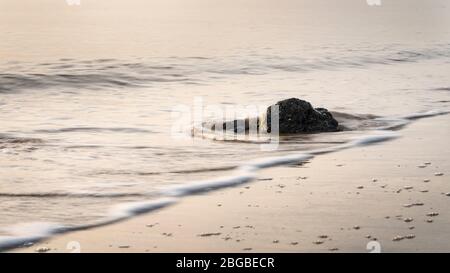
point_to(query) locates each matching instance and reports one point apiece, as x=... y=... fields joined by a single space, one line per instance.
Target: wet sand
x=394 y=193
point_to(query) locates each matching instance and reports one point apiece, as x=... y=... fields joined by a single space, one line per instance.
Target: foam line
x=241 y=176
x=35 y=232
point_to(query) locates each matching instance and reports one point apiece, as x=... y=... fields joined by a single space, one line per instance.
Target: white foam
x=241 y=176
x=426 y=114
x=126 y=210
x=26 y=233
x=403 y=120
x=35 y=228
x=381 y=136
x=393 y=123
x=269 y=162
x=8 y=242
x=37 y=231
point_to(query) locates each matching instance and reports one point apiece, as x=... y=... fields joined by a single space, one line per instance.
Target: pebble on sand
x=398 y=238
x=356 y=227
x=263 y=179
x=408 y=187
x=42 y=249
x=374 y=180
x=334 y=249
x=432 y=214
x=412 y=205
x=447 y=194
x=209 y=234
x=438 y=174
x=429 y=220
x=410 y=236
x=323 y=236
x=318 y=242
x=426 y=180
x=408 y=220
x=294 y=243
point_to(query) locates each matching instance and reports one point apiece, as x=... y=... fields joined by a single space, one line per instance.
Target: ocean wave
x=78 y=77
x=442 y=89
x=92 y=129
x=114 y=73
x=73 y=195
x=9 y=139
x=185 y=171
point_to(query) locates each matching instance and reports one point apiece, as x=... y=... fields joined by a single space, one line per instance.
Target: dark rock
x=240 y=126
x=295 y=116
x=298 y=116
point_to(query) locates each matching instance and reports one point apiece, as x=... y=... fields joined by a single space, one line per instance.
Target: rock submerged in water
x=296 y=116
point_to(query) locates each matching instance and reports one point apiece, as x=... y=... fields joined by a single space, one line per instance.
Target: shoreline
x=305 y=208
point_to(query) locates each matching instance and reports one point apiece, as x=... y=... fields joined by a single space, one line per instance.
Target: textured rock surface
x=298 y=116
x=295 y=116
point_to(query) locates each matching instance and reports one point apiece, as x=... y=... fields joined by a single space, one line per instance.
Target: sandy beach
x=395 y=194
x=143 y=127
